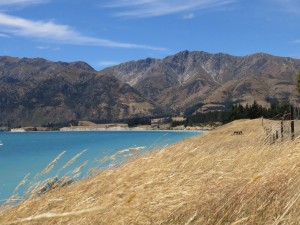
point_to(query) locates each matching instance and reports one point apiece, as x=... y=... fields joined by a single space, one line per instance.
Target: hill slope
x=217 y=178
x=36 y=92
x=187 y=78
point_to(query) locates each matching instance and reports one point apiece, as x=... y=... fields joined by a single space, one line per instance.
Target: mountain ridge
x=194 y=76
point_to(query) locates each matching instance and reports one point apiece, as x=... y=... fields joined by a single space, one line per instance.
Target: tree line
x=238 y=111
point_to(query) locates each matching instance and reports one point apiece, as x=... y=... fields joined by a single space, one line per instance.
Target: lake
x=29 y=153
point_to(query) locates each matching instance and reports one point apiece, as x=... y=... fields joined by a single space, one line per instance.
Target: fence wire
x=280 y=128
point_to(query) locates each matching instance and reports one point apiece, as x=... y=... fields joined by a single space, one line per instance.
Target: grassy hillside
x=217 y=178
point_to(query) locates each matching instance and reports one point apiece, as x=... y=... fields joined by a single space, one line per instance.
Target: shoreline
x=116 y=128
x=110 y=130
x=137 y=128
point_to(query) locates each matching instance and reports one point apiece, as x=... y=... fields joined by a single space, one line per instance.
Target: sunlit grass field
x=216 y=178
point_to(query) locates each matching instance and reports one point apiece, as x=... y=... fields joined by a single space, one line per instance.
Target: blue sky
x=107 y=32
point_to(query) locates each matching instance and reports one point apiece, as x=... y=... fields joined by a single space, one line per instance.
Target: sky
x=108 y=32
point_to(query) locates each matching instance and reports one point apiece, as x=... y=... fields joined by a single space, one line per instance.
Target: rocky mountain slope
x=36 y=92
x=187 y=78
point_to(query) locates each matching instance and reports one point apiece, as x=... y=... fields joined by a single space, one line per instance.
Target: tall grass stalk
x=50 y=166
x=21 y=183
x=71 y=161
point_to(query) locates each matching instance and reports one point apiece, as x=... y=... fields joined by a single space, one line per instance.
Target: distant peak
x=259 y=54
x=81 y=65
x=184 y=52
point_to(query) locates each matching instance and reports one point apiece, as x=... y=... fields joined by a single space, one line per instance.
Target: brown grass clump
x=217 y=178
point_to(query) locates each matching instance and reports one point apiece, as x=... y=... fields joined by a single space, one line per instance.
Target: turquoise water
x=24 y=153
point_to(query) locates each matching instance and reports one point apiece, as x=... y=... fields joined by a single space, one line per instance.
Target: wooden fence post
x=281 y=129
x=292 y=123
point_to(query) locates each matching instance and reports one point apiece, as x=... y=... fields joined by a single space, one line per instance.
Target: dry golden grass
x=217 y=178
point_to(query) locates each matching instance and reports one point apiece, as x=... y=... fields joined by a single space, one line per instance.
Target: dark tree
x=276 y=111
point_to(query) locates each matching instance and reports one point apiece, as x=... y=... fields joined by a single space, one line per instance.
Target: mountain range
x=187 y=78
x=35 y=92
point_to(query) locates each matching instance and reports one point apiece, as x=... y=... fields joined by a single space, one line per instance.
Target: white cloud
x=46 y=47
x=21 y=2
x=4 y=35
x=189 y=16
x=107 y=63
x=59 y=33
x=292 y=6
x=151 y=8
x=41 y=47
